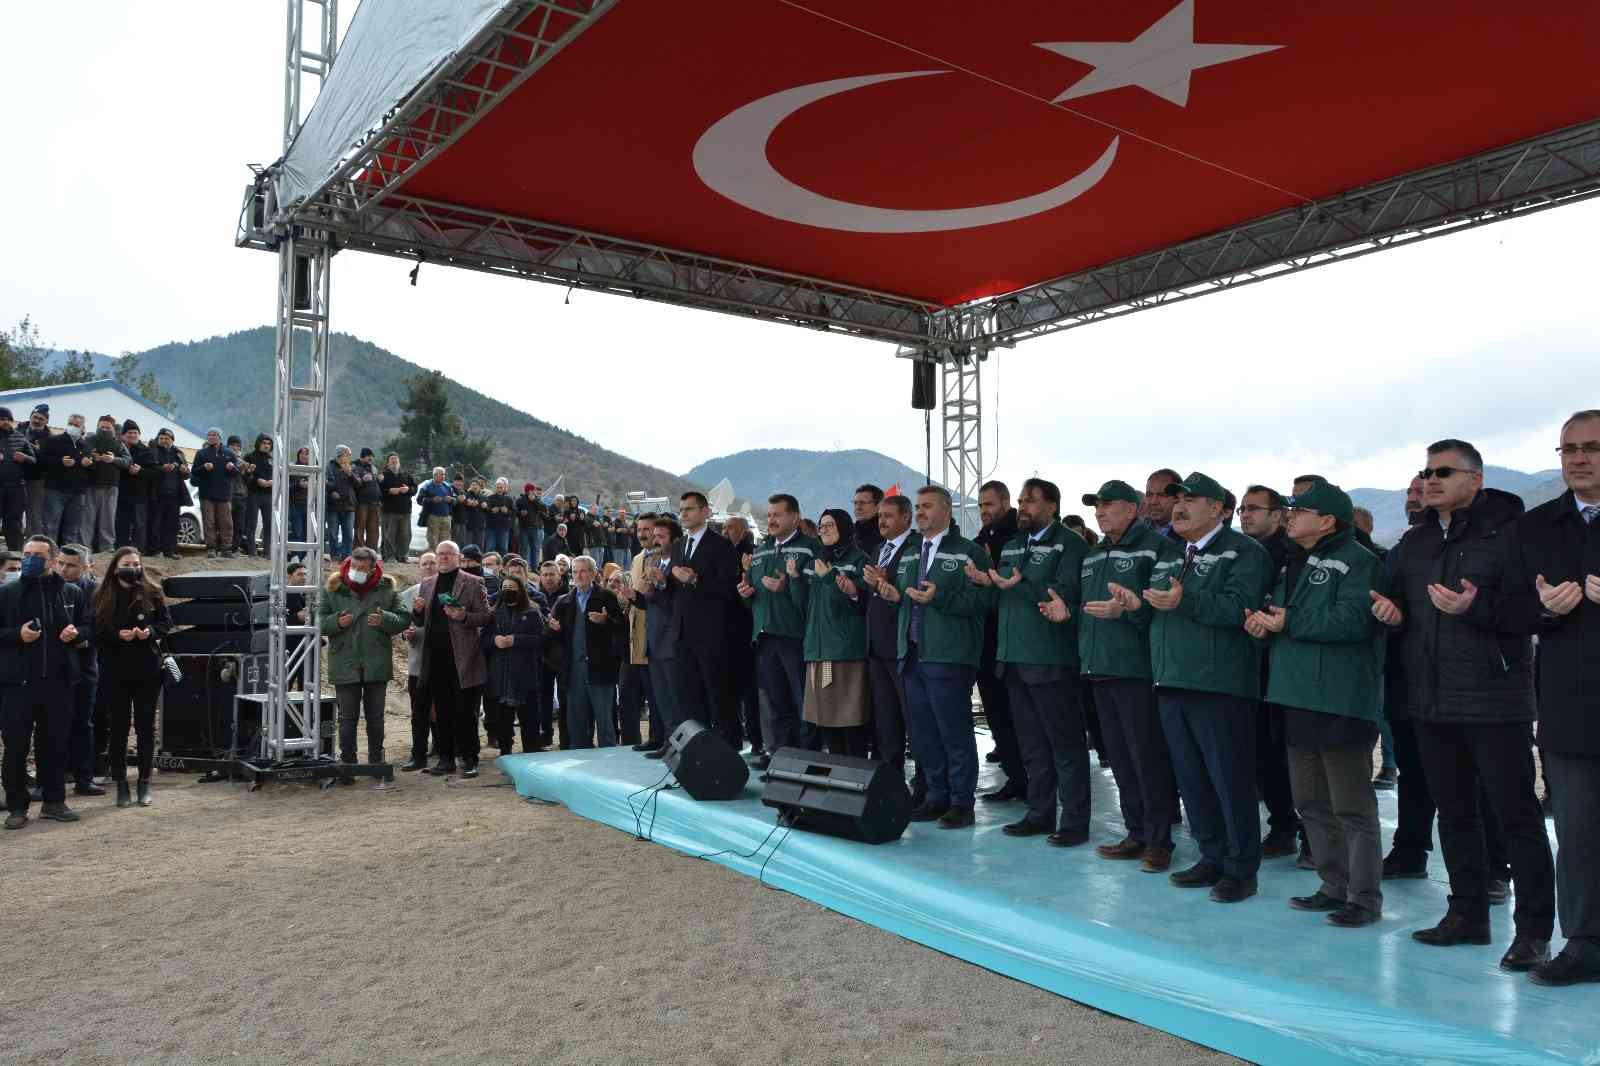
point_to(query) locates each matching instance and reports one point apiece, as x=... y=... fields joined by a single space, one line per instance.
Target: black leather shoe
x=414 y=765
x=1564 y=970
x=16 y=819
x=36 y=794
x=1497 y=891
x=469 y=768
x=1525 y=953
x=1200 y=875
x=443 y=768
x=1025 y=828
x=124 y=797
x=1317 y=901
x=763 y=762
x=141 y=792
x=1233 y=889
x=927 y=812
x=1063 y=839
x=956 y=818
x=87 y=788
x=648 y=745
x=656 y=754
x=991 y=756
x=1277 y=845
x=1004 y=794
x=1454 y=929
x=1126 y=848
x=1353 y=916
x=1397 y=869
x=58 y=812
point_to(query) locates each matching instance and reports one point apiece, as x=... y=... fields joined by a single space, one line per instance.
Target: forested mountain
x=818 y=479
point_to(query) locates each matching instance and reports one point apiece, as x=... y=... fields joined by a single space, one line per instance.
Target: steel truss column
x=301 y=61
x=961 y=412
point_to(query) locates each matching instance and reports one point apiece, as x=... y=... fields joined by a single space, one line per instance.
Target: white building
x=91 y=399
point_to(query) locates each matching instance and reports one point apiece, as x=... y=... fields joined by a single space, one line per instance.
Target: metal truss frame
x=1549 y=171
x=300 y=62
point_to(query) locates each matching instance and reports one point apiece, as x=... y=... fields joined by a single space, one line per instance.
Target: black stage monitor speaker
x=219 y=614
x=838 y=794
x=706 y=765
x=229 y=586
x=923 y=395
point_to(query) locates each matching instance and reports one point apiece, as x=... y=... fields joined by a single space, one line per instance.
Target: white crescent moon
x=731 y=157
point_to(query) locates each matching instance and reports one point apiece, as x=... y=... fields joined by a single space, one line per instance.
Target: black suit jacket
x=883 y=617
x=604 y=663
x=700 y=611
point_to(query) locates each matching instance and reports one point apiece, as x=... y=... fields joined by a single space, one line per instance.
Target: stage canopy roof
x=868 y=165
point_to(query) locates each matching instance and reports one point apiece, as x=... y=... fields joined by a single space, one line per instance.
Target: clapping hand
x=1453 y=602
x=1006 y=582
x=1559 y=599
x=888 y=591
x=924 y=593
x=746 y=590
x=1055 y=608
x=976 y=576
x=1165 y=599
x=598 y=617
x=1261 y=623
x=874 y=575
x=820 y=568
x=1125 y=598
x=774 y=584
x=554 y=624
x=69 y=633
x=125 y=635
x=455 y=614
x=503 y=641
x=684 y=574
x=344 y=619
x=1591 y=587
x=791 y=567
x=846 y=586
x=375 y=619
x=1384 y=610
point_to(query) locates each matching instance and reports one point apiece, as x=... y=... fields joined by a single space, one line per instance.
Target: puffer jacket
x=1477 y=666
x=13 y=471
x=361 y=654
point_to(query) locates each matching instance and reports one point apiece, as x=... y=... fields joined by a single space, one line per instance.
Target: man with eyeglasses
x=1560 y=554
x=1469 y=671
x=701 y=585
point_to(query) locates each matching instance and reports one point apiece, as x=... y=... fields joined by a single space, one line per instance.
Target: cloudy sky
x=126 y=163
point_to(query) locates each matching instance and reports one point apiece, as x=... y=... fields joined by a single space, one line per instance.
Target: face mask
x=9 y=576
x=490 y=570
x=358 y=577
x=130 y=575
x=74 y=432
x=32 y=565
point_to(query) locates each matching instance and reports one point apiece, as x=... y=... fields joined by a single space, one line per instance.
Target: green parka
x=781 y=613
x=1201 y=644
x=361 y=654
x=1053 y=562
x=1330 y=654
x=836 y=627
x=952 y=625
x=1119 y=647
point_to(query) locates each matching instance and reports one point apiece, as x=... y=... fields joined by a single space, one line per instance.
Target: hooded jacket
x=360 y=654
x=1476 y=666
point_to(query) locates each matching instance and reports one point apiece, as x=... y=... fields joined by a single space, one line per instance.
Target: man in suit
x=585 y=622
x=701 y=586
x=885 y=685
x=741 y=643
x=448 y=611
x=653 y=567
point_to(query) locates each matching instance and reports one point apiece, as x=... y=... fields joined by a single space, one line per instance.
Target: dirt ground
x=449 y=920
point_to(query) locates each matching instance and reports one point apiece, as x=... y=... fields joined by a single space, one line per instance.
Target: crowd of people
x=1215 y=669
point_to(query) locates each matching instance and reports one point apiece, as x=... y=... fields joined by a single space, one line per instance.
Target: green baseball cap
x=1325 y=498
x=1197 y=484
x=1113 y=490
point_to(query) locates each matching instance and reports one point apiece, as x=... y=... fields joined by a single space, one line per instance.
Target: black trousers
x=552 y=688
x=700 y=685
x=1272 y=772
x=1047 y=711
x=632 y=682
x=355 y=700
x=746 y=691
x=1137 y=749
x=131 y=512
x=236 y=510
x=508 y=717
x=1413 y=834
x=162 y=535
x=455 y=708
x=1576 y=799
x=1499 y=755
x=997 y=712
x=119 y=702
x=42 y=709
x=421 y=719
x=257 y=511
x=13 y=502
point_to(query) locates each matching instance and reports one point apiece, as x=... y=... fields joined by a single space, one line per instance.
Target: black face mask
x=130 y=575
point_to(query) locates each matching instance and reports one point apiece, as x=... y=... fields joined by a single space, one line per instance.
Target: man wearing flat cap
x=1207 y=672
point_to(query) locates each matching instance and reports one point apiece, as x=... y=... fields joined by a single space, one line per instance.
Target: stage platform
x=1255 y=979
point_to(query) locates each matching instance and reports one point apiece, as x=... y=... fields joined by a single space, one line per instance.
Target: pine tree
x=432 y=435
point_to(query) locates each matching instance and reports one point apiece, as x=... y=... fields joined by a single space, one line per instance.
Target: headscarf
x=846 y=526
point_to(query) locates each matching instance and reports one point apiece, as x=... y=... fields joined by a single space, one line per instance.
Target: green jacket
x=1329 y=656
x=1119 y=647
x=1025 y=635
x=361 y=654
x=836 y=628
x=781 y=613
x=1201 y=644
x=952 y=625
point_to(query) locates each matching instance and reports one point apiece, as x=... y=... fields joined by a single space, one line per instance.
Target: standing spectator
x=556 y=543
x=437 y=498
x=472 y=503
x=701 y=585
x=369 y=500
x=552 y=515
x=865 y=504
x=421 y=711
x=76 y=566
x=1158 y=504
x=129 y=617
x=1560 y=550
x=397 y=487
x=512 y=642
x=239 y=493
x=498 y=508
x=38 y=432
x=215 y=470
x=530 y=522
x=584 y=621
x=299 y=491
x=17 y=461
x=171 y=494
x=42 y=621
x=340 y=491
x=835 y=636
x=577 y=523
x=633 y=679
x=887 y=686
x=552 y=679
x=66 y=460
x=135 y=491
x=777 y=626
x=104 y=479
x=999 y=527
x=449 y=610
x=458 y=518
x=360 y=613
x=258 y=496
x=744 y=676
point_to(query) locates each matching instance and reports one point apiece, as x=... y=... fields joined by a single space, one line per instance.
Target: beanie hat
x=128 y=424
x=233 y=438
x=213 y=429
x=366 y=453
x=5 y=412
x=528 y=486
x=42 y=409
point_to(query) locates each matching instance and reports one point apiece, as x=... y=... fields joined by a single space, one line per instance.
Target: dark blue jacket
x=215 y=484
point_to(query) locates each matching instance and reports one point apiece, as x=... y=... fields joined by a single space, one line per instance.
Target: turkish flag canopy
x=947 y=151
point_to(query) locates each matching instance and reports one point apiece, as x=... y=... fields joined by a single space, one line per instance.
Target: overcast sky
x=130 y=124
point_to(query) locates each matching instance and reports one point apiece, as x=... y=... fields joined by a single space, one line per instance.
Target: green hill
x=227 y=381
x=817 y=479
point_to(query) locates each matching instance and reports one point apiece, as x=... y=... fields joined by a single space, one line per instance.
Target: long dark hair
x=146 y=593
x=518 y=602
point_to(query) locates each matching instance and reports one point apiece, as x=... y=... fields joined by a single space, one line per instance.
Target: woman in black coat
x=512 y=643
x=130 y=618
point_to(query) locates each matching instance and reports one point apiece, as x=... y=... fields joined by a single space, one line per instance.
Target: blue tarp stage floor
x=1255 y=979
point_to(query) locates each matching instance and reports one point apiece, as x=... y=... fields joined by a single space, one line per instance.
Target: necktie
x=688 y=548
x=1189 y=552
x=927 y=559
x=885 y=555
x=1591 y=512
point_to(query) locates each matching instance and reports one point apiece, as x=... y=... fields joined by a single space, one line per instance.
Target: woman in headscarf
x=836 y=636
x=512 y=643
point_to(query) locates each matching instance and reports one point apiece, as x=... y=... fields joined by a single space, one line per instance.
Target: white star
x=1159 y=60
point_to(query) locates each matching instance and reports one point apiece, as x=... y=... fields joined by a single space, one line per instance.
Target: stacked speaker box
x=838 y=794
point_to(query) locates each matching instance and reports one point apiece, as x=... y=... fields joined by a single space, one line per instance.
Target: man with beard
x=884 y=683
x=999 y=526
x=865 y=505
x=778 y=623
x=1158 y=503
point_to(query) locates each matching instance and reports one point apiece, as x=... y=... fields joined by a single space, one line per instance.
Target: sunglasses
x=1443 y=473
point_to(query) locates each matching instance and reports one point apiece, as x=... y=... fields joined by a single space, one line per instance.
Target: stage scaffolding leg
x=962 y=414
